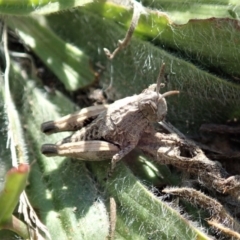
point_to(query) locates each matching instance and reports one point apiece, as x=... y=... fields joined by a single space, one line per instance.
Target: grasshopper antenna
x=168 y=94
x=160 y=76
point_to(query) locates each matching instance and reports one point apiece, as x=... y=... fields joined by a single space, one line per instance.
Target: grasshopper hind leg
x=73 y=122
x=84 y=134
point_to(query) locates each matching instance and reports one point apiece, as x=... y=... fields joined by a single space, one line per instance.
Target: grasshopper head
x=153 y=105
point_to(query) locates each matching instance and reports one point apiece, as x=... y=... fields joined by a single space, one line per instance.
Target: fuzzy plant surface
x=199 y=43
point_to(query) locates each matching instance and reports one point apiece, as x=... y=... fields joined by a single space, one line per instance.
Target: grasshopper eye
x=148 y=108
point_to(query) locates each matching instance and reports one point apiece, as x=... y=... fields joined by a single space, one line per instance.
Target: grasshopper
x=113 y=130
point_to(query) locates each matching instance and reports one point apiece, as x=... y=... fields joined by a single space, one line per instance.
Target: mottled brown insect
x=122 y=123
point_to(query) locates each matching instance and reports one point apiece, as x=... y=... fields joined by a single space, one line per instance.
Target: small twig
x=209 y=204
x=215 y=209
x=160 y=76
x=109 y=87
x=137 y=10
x=27 y=56
x=223 y=229
x=113 y=218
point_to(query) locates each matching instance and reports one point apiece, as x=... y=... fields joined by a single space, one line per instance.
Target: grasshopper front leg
x=122 y=153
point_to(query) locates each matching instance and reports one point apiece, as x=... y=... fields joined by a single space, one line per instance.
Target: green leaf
x=15 y=183
x=183 y=11
x=26 y=7
x=67 y=196
x=204 y=97
x=62 y=190
x=68 y=62
x=140 y=215
x=221 y=35
x=70 y=196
